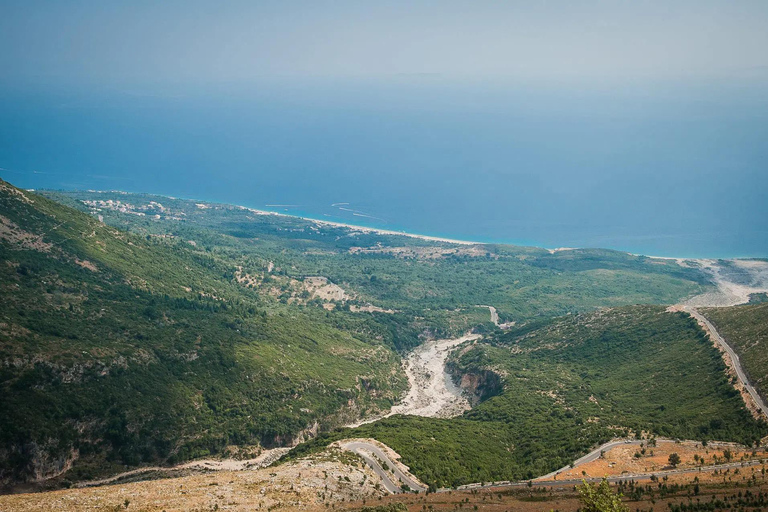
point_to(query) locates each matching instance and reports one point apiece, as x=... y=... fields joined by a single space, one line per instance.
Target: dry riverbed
x=432 y=393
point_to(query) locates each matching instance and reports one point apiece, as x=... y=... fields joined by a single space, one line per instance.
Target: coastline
x=258 y=211
x=354 y=227
x=380 y=231
x=391 y=232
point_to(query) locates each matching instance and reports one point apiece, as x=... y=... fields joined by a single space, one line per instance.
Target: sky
x=106 y=42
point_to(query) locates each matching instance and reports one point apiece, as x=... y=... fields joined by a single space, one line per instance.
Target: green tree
x=674 y=459
x=600 y=498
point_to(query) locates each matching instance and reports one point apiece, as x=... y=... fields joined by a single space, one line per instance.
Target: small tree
x=600 y=498
x=674 y=459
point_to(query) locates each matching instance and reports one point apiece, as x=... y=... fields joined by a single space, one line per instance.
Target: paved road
x=365 y=450
x=615 y=479
x=370 y=453
x=594 y=455
x=734 y=357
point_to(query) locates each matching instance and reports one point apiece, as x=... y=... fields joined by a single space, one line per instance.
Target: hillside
x=117 y=350
x=745 y=328
x=420 y=278
x=149 y=330
x=552 y=390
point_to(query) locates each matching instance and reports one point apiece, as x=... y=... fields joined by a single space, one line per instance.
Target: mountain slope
x=177 y=329
x=745 y=328
x=116 y=350
x=553 y=390
x=417 y=277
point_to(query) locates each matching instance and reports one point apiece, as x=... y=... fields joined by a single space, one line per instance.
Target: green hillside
x=745 y=328
x=417 y=277
x=177 y=329
x=116 y=350
x=557 y=389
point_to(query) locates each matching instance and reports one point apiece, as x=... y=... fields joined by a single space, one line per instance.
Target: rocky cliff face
x=480 y=386
x=42 y=463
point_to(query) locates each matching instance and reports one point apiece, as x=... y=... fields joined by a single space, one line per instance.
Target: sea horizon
x=661 y=170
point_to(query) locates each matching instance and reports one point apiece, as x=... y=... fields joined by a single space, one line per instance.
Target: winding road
x=615 y=479
x=432 y=394
x=368 y=450
x=375 y=457
x=262 y=461
x=758 y=400
x=594 y=455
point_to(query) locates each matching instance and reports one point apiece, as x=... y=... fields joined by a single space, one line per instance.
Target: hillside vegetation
x=177 y=329
x=745 y=328
x=565 y=386
x=419 y=278
x=116 y=350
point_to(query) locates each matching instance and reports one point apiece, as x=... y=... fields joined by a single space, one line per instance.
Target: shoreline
x=354 y=227
x=381 y=231
x=391 y=232
x=363 y=229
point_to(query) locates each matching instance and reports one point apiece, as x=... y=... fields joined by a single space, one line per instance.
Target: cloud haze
x=101 y=41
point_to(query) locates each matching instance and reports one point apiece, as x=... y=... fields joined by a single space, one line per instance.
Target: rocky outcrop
x=480 y=386
x=43 y=462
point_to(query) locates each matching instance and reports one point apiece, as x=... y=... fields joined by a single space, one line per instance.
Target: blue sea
x=662 y=169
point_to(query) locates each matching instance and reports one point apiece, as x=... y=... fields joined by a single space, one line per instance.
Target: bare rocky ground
x=636 y=459
x=335 y=476
x=432 y=393
x=264 y=459
x=697 y=487
x=736 y=280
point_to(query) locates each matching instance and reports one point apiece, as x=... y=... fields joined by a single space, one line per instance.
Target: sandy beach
x=363 y=229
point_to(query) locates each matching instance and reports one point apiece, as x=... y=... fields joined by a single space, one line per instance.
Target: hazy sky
x=106 y=42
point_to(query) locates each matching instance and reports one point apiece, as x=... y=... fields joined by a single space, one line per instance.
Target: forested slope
x=556 y=389
x=116 y=350
x=417 y=277
x=177 y=329
x=745 y=328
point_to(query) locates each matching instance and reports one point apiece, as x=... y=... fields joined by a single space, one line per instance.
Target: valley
x=397 y=256
x=329 y=345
